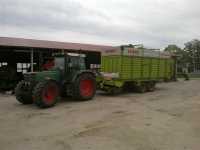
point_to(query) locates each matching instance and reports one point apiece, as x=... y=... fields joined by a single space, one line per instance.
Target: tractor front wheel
x=23 y=93
x=84 y=87
x=46 y=94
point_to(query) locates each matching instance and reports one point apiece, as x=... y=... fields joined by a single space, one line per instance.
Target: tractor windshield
x=59 y=63
x=77 y=62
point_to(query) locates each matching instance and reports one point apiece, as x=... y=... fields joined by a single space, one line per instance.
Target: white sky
x=155 y=23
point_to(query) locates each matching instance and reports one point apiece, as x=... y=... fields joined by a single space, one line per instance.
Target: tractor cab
x=69 y=62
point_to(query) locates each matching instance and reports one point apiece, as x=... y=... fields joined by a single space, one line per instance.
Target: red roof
x=31 y=43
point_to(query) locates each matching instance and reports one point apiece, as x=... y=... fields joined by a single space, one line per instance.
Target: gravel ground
x=167 y=119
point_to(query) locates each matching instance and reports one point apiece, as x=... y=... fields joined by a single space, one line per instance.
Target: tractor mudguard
x=81 y=72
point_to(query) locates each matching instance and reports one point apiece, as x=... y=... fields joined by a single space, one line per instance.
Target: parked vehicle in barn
x=9 y=78
x=68 y=77
x=135 y=67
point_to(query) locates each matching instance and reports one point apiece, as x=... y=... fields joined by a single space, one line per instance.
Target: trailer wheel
x=142 y=88
x=84 y=87
x=151 y=86
x=23 y=93
x=46 y=94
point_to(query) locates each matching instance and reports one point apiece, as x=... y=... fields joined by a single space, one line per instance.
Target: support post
x=40 y=60
x=32 y=56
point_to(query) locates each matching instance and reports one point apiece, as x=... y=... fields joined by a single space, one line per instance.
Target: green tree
x=188 y=57
x=173 y=49
x=181 y=56
x=193 y=50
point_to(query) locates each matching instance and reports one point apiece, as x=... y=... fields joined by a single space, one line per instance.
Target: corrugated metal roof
x=31 y=43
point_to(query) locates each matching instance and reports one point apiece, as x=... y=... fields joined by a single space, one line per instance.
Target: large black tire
x=23 y=93
x=84 y=87
x=151 y=86
x=46 y=94
x=142 y=88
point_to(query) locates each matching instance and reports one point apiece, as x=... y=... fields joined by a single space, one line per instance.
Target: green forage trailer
x=135 y=67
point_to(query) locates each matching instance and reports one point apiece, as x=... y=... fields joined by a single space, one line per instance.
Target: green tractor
x=68 y=77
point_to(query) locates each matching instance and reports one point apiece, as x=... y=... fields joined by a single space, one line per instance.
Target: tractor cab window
x=59 y=63
x=77 y=62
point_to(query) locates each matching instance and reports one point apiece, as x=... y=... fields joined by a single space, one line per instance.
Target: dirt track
x=167 y=119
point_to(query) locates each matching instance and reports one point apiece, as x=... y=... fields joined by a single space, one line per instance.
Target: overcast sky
x=155 y=23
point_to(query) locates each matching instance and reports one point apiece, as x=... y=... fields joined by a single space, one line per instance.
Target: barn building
x=18 y=55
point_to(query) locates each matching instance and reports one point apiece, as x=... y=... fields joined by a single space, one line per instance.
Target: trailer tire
x=151 y=86
x=142 y=88
x=84 y=87
x=46 y=94
x=23 y=93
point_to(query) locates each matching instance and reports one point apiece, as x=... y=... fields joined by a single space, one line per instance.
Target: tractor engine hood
x=29 y=76
x=44 y=75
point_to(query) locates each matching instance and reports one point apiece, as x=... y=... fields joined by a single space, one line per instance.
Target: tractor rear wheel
x=46 y=94
x=23 y=93
x=84 y=87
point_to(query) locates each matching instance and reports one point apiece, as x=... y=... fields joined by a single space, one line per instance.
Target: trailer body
x=135 y=66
